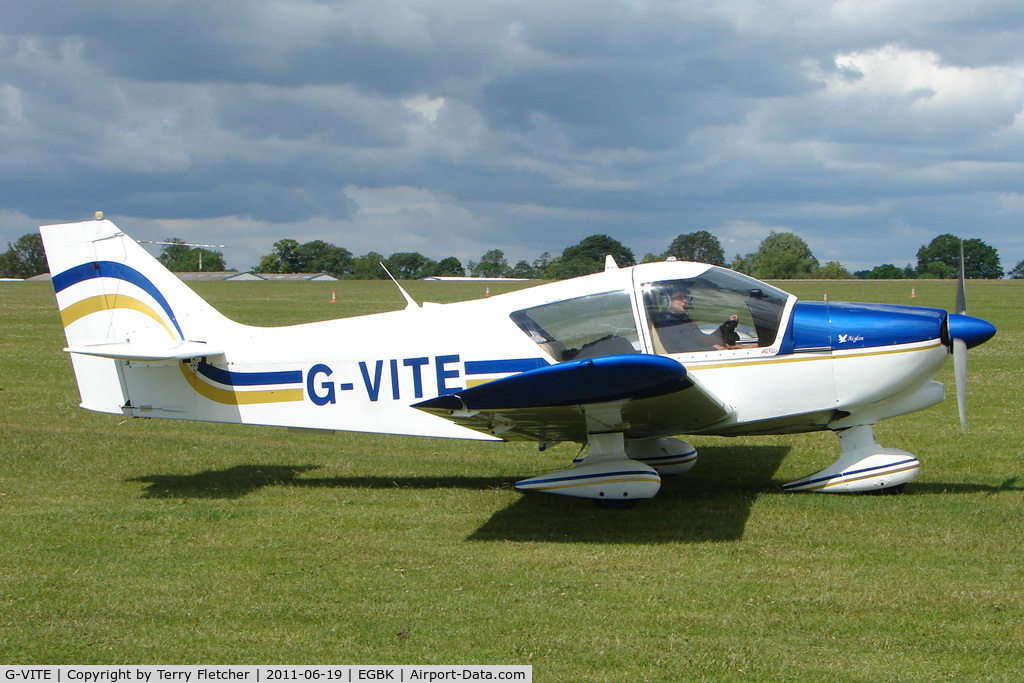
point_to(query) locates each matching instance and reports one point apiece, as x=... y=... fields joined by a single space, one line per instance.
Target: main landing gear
x=616 y=471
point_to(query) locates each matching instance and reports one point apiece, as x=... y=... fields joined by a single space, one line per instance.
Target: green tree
x=284 y=258
x=833 y=270
x=1018 y=271
x=700 y=246
x=173 y=253
x=319 y=256
x=540 y=265
x=24 y=258
x=491 y=264
x=940 y=258
x=410 y=265
x=316 y=256
x=782 y=255
x=268 y=264
x=523 y=269
x=367 y=267
x=589 y=257
x=884 y=272
x=205 y=260
x=179 y=257
x=743 y=264
x=937 y=270
x=450 y=267
x=9 y=264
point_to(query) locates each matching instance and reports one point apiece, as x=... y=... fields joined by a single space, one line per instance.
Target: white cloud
x=394 y=219
x=745 y=236
x=894 y=91
x=425 y=106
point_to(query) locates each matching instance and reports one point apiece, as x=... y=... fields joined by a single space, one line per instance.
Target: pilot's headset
x=663 y=292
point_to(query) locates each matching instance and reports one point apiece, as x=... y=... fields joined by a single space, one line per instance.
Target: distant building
x=309 y=277
x=249 y=276
x=207 y=276
x=463 y=278
x=233 y=276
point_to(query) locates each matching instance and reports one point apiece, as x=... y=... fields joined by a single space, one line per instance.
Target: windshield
x=718 y=310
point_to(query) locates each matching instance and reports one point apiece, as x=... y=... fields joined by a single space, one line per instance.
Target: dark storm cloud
x=522 y=125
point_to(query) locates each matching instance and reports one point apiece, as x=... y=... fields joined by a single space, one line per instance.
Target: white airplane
x=621 y=361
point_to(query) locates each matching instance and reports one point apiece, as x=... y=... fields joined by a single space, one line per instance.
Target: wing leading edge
x=639 y=395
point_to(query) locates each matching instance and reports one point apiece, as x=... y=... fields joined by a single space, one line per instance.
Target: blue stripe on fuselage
x=249 y=379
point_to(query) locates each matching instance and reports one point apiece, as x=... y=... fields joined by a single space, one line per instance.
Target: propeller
x=964 y=332
x=960 y=349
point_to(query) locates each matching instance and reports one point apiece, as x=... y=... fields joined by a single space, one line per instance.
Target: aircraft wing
x=640 y=395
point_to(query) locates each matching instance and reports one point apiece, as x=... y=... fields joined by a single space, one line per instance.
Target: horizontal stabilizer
x=147 y=352
x=648 y=396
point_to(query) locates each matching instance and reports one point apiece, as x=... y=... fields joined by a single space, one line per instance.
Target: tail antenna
x=409 y=301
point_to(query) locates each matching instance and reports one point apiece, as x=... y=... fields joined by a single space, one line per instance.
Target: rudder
x=117 y=302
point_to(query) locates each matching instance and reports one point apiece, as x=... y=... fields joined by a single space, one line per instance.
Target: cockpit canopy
x=717 y=310
x=585 y=327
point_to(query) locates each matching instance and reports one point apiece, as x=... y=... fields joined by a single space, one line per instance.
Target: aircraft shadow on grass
x=711 y=503
x=919 y=488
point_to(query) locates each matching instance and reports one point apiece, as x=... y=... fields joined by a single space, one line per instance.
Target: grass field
x=157 y=542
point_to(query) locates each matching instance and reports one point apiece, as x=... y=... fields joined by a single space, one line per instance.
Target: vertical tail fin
x=119 y=303
x=111 y=291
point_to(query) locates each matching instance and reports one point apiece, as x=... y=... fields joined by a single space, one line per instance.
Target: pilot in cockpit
x=679 y=333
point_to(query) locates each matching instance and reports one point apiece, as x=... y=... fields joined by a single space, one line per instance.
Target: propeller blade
x=960 y=348
x=961 y=296
x=960 y=377
x=964 y=332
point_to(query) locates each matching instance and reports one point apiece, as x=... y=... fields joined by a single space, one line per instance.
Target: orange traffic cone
x=334 y=299
x=913 y=293
x=487 y=291
x=826 y=296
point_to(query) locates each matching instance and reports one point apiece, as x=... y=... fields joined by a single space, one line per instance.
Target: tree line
x=781 y=255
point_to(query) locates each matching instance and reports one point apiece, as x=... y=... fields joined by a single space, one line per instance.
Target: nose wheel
x=864 y=467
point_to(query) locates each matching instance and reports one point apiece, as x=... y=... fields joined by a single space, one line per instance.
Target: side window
x=587 y=327
x=718 y=310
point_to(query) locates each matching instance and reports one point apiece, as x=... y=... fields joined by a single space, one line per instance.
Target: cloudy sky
x=867 y=127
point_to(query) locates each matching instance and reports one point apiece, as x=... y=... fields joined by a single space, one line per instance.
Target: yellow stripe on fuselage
x=108 y=302
x=772 y=360
x=238 y=398
x=799 y=358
